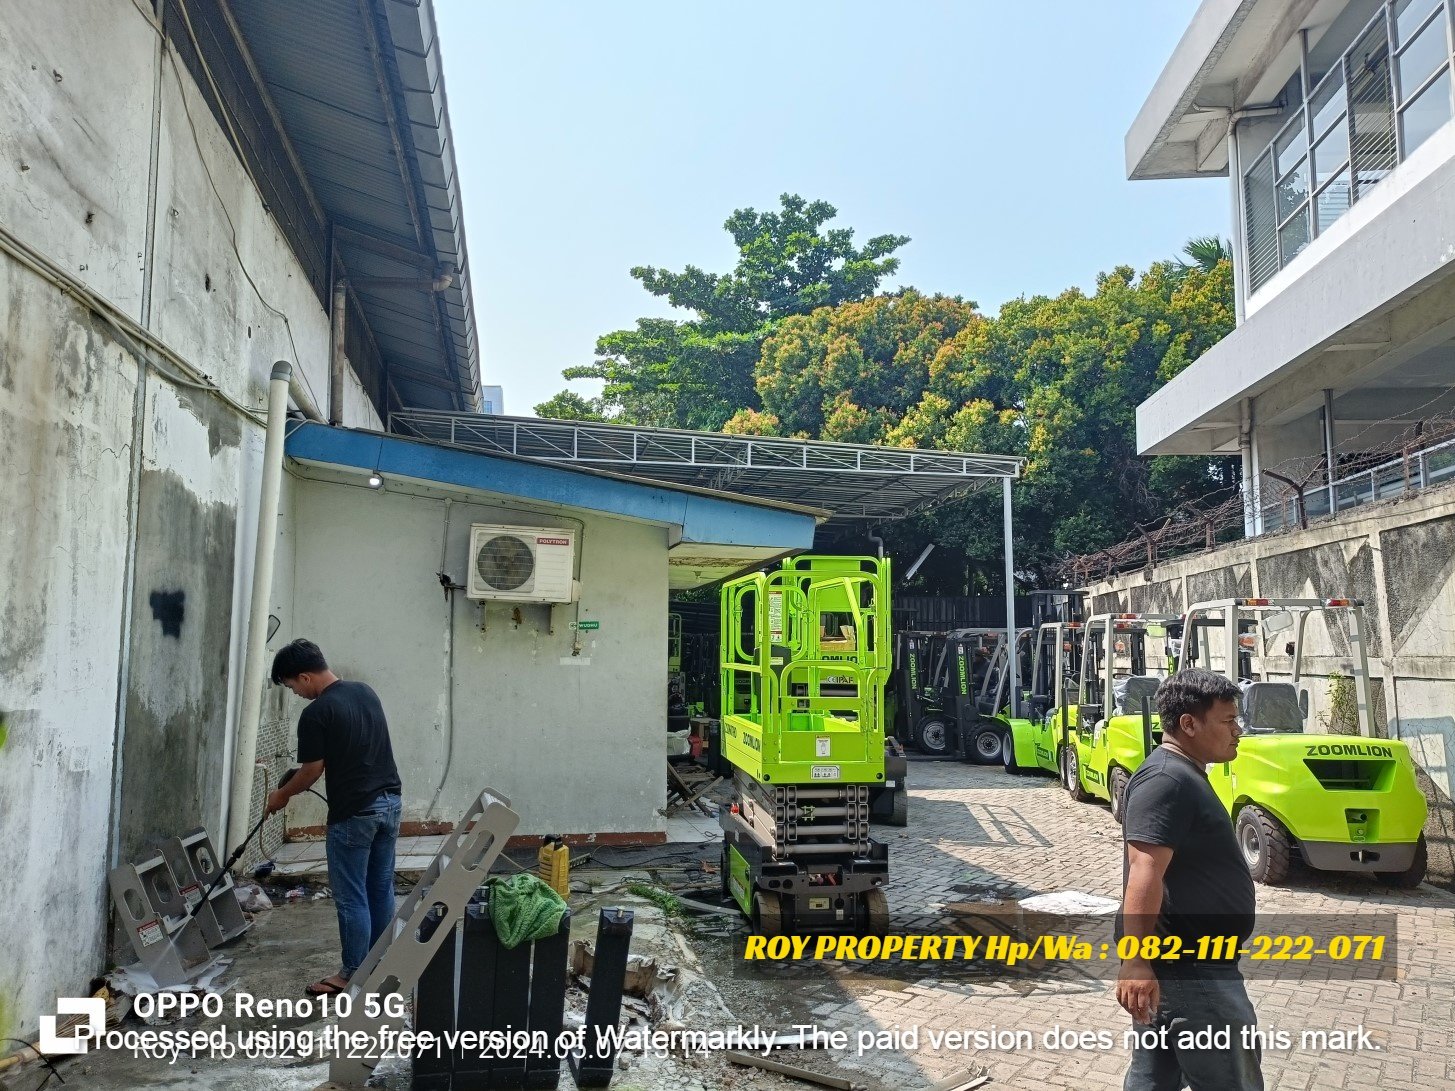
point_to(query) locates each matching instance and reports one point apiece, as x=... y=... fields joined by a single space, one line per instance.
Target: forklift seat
x=1272 y=706
x=1130 y=692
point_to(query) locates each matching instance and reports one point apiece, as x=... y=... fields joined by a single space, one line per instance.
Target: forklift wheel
x=1071 y=775
x=899 y=812
x=876 y=906
x=1119 y=780
x=1265 y=843
x=767 y=914
x=932 y=736
x=1007 y=754
x=984 y=748
x=1413 y=875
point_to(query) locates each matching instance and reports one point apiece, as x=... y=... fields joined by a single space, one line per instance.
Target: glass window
x=1327 y=103
x=1293 y=236
x=1333 y=201
x=1292 y=189
x=1427 y=113
x=1422 y=58
x=1371 y=105
x=1331 y=153
x=1408 y=15
x=1288 y=149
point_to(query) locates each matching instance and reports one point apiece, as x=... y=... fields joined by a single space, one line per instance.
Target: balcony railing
x=1388 y=93
x=1415 y=469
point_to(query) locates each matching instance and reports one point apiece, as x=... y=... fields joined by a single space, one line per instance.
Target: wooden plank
x=752 y=1060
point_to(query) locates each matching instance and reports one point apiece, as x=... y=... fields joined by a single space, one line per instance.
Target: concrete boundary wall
x=1399 y=558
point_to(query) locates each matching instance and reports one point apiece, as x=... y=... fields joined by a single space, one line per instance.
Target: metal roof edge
x=819 y=515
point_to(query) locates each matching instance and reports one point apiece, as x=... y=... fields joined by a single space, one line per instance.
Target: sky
x=594 y=136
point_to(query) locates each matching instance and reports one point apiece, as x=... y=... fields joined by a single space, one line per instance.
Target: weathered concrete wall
x=65 y=412
x=577 y=742
x=181 y=637
x=1399 y=558
x=80 y=92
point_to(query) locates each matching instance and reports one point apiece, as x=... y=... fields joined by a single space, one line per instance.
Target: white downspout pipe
x=337 y=359
x=244 y=767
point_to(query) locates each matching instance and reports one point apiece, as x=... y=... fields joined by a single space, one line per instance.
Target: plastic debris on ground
x=252 y=897
x=1070 y=903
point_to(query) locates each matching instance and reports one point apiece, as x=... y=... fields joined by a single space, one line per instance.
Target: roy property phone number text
x=1065 y=948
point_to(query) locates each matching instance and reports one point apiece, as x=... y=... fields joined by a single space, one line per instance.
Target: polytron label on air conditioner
x=553 y=541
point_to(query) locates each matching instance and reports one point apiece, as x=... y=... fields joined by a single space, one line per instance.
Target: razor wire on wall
x=1289 y=495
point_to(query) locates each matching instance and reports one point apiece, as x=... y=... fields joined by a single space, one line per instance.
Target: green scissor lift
x=805 y=659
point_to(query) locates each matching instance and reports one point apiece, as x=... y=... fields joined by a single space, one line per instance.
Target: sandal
x=326 y=987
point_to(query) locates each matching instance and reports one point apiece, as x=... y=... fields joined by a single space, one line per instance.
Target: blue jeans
x=361 y=875
x=1207 y=998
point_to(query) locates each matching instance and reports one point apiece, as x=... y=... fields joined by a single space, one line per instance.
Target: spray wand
x=237 y=852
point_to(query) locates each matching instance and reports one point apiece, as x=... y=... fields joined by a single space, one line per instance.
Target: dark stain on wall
x=1418 y=563
x=224 y=429
x=1323 y=571
x=1233 y=581
x=176 y=702
x=170 y=608
x=1161 y=597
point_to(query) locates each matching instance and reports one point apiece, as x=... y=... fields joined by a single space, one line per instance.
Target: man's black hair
x=299 y=657
x=1192 y=691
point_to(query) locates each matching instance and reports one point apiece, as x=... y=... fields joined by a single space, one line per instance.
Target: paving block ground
x=979 y=829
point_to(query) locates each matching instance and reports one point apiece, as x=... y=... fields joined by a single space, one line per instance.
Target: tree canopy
x=699 y=372
x=796 y=342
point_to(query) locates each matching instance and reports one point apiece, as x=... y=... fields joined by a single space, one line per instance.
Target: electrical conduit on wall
x=244 y=771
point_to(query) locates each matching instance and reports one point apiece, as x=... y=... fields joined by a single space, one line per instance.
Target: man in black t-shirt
x=343 y=733
x=1185 y=880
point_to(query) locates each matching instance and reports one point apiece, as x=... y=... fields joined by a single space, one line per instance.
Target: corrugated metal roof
x=854 y=482
x=359 y=87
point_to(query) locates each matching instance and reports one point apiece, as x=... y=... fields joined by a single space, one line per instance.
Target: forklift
x=915 y=698
x=1039 y=744
x=952 y=725
x=805 y=657
x=1124 y=659
x=1341 y=803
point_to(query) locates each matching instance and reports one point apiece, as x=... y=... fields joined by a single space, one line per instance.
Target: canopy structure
x=854 y=482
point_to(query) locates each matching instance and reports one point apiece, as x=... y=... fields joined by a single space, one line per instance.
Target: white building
x=192 y=190
x=1332 y=121
x=1331 y=118
x=492 y=400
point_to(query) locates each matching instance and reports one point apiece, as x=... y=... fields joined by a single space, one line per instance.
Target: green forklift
x=1340 y=803
x=963 y=720
x=1039 y=744
x=805 y=656
x=1124 y=659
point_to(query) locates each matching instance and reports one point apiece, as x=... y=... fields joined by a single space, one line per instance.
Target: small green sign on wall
x=587 y=626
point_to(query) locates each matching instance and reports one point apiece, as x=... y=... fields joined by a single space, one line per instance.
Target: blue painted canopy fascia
x=703 y=519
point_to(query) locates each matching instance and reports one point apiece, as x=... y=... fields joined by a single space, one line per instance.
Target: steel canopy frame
x=855 y=482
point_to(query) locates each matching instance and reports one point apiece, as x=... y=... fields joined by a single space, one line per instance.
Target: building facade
x=1332 y=121
x=193 y=190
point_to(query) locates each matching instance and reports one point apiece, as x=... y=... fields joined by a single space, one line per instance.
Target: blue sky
x=594 y=136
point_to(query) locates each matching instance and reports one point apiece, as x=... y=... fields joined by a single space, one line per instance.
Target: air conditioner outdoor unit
x=521 y=564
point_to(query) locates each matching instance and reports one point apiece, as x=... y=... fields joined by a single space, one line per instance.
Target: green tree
x=568 y=405
x=852 y=372
x=698 y=372
x=1054 y=379
x=1205 y=252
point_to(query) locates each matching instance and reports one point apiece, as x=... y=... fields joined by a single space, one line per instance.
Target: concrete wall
x=1397 y=558
x=115 y=170
x=576 y=742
